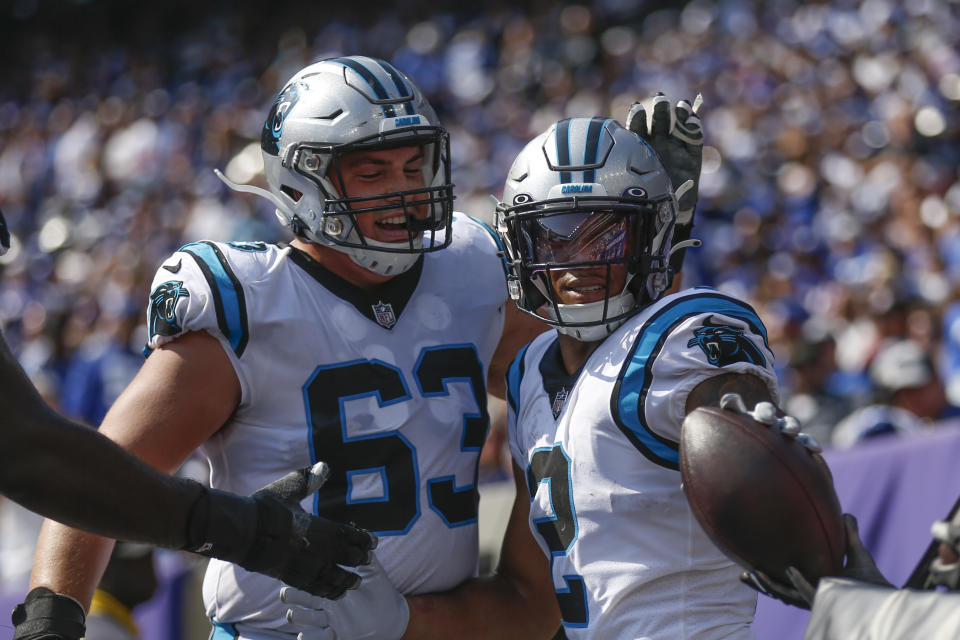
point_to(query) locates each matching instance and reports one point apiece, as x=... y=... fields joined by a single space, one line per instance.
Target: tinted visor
x=579 y=237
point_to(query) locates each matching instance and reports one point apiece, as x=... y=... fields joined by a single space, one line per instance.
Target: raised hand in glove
x=676 y=135
x=269 y=533
x=375 y=610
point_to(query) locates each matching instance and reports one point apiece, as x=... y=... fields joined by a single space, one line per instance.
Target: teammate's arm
x=183 y=393
x=517 y=601
x=76 y=475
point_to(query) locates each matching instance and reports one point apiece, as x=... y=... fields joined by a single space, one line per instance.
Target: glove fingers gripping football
x=767 y=413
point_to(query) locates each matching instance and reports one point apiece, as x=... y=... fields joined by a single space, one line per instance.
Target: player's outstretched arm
x=516 y=602
x=76 y=475
x=184 y=392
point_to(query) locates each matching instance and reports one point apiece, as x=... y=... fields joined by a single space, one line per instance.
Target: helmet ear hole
x=292 y=193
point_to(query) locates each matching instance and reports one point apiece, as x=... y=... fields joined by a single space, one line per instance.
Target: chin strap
x=692 y=242
x=684 y=216
x=249 y=188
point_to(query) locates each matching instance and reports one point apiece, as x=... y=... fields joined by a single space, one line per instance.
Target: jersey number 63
x=388 y=452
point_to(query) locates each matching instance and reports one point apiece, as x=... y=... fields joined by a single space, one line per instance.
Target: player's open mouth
x=575 y=293
x=393 y=223
x=392 y=229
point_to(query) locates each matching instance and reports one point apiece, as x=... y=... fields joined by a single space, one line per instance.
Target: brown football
x=764 y=499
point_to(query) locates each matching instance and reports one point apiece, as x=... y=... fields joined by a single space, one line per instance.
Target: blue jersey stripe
x=378 y=89
x=635 y=379
x=400 y=85
x=594 y=133
x=223 y=631
x=514 y=376
x=227 y=291
x=563 y=148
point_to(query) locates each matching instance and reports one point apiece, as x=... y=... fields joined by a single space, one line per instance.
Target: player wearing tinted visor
x=586 y=245
x=585 y=260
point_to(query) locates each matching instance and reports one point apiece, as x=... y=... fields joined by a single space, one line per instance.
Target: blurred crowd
x=830 y=195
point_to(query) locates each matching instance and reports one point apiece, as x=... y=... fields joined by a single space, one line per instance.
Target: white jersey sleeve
x=684 y=340
x=198 y=288
x=201 y=287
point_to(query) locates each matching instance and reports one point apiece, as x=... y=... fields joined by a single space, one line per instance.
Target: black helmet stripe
x=563 y=148
x=400 y=85
x=378 y=89
x=594 y=131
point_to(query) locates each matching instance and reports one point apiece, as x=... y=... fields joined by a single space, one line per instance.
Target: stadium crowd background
x=830 y=195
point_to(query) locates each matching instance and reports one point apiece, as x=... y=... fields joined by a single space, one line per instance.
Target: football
x=763 y=498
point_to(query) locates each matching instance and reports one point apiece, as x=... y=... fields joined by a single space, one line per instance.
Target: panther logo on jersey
x=163 y=308
x=725 y=345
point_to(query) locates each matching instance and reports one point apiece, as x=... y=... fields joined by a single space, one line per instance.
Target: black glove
x=798 y=593
x=676 y=136
x=269 y=533
x=45 y=615
x=4 y=235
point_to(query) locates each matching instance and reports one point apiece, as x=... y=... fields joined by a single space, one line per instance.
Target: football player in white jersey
x=365 y=342
x=595 y=408
x=601 y=538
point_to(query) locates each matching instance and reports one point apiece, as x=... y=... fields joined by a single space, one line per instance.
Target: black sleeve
x=75 y=475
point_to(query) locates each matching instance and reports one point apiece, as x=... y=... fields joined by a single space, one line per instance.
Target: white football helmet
x=587 y=194
x=339 y=106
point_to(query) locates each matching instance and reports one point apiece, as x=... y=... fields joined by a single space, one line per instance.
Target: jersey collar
x=557 y=383
x=382 y=303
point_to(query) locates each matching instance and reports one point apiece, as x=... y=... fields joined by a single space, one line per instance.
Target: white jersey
x=388 y=386
x=600 y=452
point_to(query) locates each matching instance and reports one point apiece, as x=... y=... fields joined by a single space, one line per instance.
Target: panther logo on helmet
x=273 y=125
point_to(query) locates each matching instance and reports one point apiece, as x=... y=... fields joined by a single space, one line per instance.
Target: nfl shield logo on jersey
x=558 y=401
x=384 y=314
